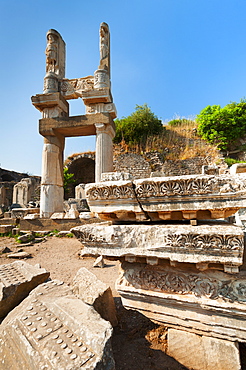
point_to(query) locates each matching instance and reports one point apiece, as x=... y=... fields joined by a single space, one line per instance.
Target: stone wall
x=134 y=164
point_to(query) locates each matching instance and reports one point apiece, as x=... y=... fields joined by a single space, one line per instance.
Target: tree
x=67 y=179
x=223 y=126
x=135 y=128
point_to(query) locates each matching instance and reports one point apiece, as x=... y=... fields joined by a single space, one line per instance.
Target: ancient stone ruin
x=181 y=261
x=56 y=124
x=53 y=328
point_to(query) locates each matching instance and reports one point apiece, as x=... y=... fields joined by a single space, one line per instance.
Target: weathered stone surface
x=99 y=262
x=169 y=198
x=52 y=329
x=203 y=353
x=223 y=243
x=4 y=229
x=19 y=255
x=95 y=293
x=209 y=303
x=17 y=279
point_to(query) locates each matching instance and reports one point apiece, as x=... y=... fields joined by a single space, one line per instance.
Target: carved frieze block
x=210 y=302
x=223 y=243
x=72 y=89
x=181 y=197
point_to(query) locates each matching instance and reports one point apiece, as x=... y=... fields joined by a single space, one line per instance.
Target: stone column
x=104 y=149
x=52 y=192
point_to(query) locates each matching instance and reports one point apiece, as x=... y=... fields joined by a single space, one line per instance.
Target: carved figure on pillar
x=51 y=53
x=55 y=61
x=104 y=47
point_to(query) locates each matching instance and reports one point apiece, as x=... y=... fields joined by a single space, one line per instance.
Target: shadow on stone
x=139 y=344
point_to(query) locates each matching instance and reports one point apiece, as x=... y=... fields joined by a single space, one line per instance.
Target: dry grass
x=176 y=143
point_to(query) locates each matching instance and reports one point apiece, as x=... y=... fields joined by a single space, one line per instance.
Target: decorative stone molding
x=222 y=244
x=72 y=89
x=102 y=108
x=177 y=198
x=210 y=303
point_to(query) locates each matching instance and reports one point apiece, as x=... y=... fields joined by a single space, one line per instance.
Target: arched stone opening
x=83 y=169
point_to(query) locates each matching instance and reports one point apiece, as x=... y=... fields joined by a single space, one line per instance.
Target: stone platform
x=168 y=198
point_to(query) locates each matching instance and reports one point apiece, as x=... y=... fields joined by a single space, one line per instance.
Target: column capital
x=102 y=128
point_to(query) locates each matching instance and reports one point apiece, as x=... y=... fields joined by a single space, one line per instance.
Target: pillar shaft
x=52 y=192
x=104 y=150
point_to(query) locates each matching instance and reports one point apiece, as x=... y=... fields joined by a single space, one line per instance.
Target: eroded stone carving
x=17 y=279
x=222 y=243
x=210 y=303
x=52 y=329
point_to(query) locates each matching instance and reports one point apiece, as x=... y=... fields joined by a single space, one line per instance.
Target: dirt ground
x=138 y=343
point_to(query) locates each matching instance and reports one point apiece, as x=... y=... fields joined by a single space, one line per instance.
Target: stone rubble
x=17 y=279
x=53 y=329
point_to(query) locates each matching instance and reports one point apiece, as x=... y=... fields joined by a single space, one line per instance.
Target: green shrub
x=230 y=161
x=180 y=122
x=135 y=128
x=222 y=126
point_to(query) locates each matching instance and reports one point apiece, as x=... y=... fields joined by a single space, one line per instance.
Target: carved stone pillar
x=104 y=149
x=52 y=192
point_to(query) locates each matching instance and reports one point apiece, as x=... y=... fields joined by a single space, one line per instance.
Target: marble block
x=17 y=279
x=207 y=243
x=168 y=198
x=203 y=353
x=53 y=329
x=211 y=303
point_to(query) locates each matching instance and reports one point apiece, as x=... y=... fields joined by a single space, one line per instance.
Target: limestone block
x=5 y=229
x=72 y=213
x=52 y=329
x=203 y=353
x=169 y=198
x=116 y=176
x=95 y=293
x=222 y=243
x=238 y=168
x=17 y=279
x=210 y=302
x=80 y=191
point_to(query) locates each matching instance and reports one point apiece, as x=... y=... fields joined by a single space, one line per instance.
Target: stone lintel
x=83 y=125
x=49 y=100
x=102 y=95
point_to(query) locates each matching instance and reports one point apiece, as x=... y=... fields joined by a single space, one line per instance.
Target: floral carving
x=110 y=192
x=183 y=283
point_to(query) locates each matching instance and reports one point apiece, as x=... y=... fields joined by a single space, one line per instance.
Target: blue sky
x=178 y=56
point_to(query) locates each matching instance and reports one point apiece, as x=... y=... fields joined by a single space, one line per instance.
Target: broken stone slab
x=5 y=250
x=211 y=302
x=99 y=262
x=168 y=198
x=207 y=243
x=28 y=237
x=203 y=353
x=95 y=293
x=19 y=255
x=54 y=329
x=17 y=279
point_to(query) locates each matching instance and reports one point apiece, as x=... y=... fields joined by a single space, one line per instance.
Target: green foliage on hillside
x=180 y=122
x=223 y=126
x=136 y=128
